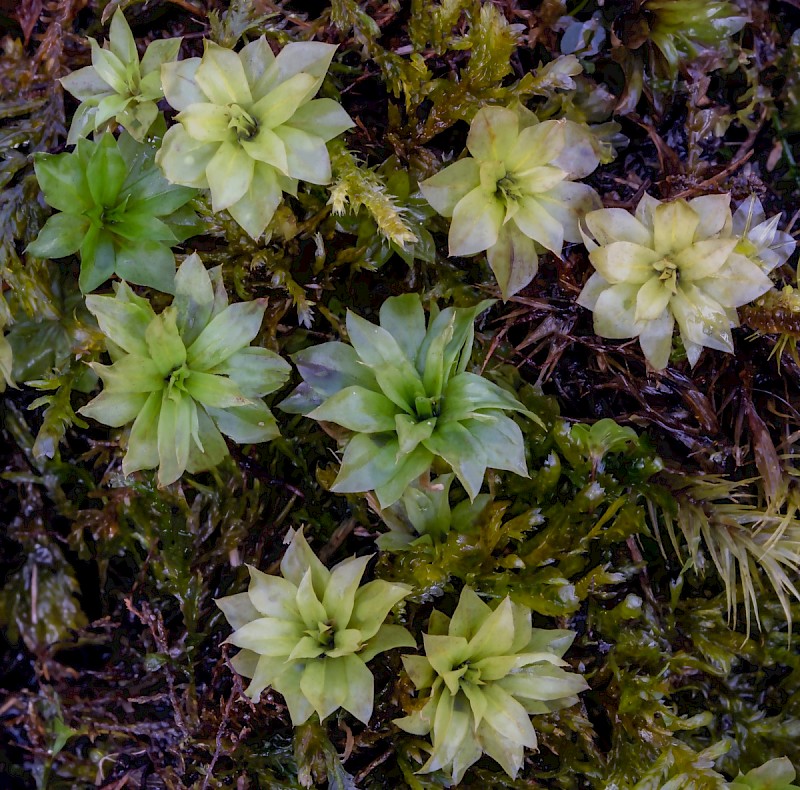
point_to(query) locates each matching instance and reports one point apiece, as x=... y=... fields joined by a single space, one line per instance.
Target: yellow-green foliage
x=487 y=539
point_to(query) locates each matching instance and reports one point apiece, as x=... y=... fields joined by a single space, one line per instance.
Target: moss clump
x=657 y=526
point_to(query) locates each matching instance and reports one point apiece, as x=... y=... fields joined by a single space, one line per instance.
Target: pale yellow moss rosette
x=667 y=263
x=310 y=632
x=485 y=671
x=516 y=195
x=118 y=85
x=248 y=126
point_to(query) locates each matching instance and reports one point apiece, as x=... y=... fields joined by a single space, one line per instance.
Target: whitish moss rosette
x=485 y=672
x=759 y=237
x=310 y=632
x=402 y=388
x=670 y=262
x=248 y=125
x=117 y=85
x=186 y=376
x=516 y=194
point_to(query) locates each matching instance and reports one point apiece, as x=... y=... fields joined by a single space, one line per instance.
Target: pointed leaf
x=62 y=179
x=255 y=209
x=180 y=86
x=341 y=589
x=458 y=447
x=109 y=67
x=372 y=604
x=322 y=118
x=309 y=604
x=229 y=174
x=256 y=371
x=143 y=442
x=403 y=317
x=115 y=409
x=146 y=263
x=120 y=39
x=476 y=223
x=85 y=84
x=227 y=333
x=272 y=596
x=469 y=615
x=389 y=637
x=248 y=424
x=106 y=172
x=215 y=391
x=174 y=437
x=395 y=373
x=164 y=343
x=238 y=609
x=493 y=133
x=125 y=324
x=298 y=558
x=220 y=75
x=446 y=188
x=159 y=52
x=307 y=155
x=513 y=260
x=61 y=235
x=330 y=367
x=357 y=409
x=495 y=635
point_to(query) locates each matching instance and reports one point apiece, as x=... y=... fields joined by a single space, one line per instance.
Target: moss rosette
x=248 y=126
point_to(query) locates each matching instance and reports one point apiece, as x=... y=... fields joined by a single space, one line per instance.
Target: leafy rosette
x=116 y=210
x=310 y=632
x=248 y=127
x=403 y=391
x=186 y=376
x=117 y=86
x=759 y=237
x=516 y=194
x=681 y=29
x=424 y=515
x=485 y=672
x=669 y=262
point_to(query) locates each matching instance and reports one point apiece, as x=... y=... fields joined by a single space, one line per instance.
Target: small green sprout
x=310 y=632
x=116 y=209
x=605 y=436
x=485 y=672
x=186 y=376
x=117 y=86
x=403 y=390
x=670 y=262
x=515 y=194
x=248 y=126
x=424 y=515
